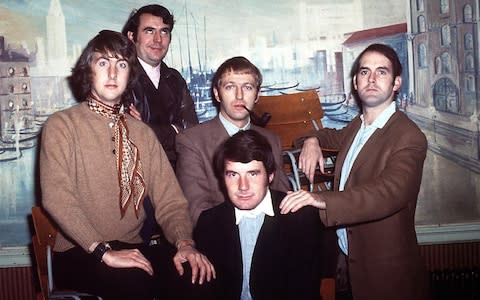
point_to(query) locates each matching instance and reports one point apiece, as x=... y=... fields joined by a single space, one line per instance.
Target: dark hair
x=244 y=146
x=239 y=65
x=386 y=51
x=106 y=42
x=154 y=9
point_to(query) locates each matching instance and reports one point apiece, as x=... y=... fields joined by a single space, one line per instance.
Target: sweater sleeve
x=58 y=179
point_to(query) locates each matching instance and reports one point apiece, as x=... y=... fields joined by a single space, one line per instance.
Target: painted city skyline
x=297 y=45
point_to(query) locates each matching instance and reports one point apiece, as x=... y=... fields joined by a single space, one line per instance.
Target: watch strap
x=100 y=250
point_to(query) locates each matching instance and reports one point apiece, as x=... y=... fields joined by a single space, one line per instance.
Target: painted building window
x=445 y=95
x=438 y=65
x=445 y=38
x=469 y=63
x=468 y=41
x=467 y=13
x=421 y=24
x=470 y=83
x=446 y=63
x=422 y=55
x=444 y=7
x=420 y=6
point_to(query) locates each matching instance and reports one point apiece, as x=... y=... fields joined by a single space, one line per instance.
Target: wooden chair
x=43 y=241
x=327 y=289
x=292 y=116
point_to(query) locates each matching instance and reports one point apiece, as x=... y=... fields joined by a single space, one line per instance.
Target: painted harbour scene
x=316 y=56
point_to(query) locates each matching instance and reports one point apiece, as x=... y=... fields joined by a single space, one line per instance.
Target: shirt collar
x=384 y=116
x=151 y=71
x=265 y=206
x=230 y=127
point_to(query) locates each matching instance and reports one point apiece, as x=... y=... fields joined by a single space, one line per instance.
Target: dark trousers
x=78 y=270
x=342 y=280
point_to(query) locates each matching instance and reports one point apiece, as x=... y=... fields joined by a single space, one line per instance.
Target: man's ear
x=130 y=35
x=215 y=93
x=354 y=81
x=270 y=178
x=397 y=82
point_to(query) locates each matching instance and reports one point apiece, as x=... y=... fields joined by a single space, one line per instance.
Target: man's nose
x=157 y=37
x=239 y=93
x=243 y=184
x=112 y=72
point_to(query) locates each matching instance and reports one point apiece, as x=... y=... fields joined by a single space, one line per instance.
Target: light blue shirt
x=231 y=128
x=249 y=224
x=363 y=135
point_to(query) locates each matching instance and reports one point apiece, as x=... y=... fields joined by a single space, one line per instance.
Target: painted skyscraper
x=56 y=40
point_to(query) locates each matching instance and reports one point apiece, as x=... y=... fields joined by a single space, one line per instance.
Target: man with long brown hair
x=97 y=164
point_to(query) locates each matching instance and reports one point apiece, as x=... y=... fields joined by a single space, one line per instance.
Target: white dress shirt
x=249 y=224
x=363 y=135
x=152 y=72
x=230 y=127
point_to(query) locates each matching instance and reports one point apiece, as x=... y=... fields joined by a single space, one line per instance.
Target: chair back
x=292 y=115
x=43 y=241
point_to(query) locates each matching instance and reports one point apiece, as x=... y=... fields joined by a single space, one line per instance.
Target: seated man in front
x=257 y=252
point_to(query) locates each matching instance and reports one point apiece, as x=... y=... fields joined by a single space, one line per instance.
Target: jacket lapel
x=342 y=154
x=371 y=146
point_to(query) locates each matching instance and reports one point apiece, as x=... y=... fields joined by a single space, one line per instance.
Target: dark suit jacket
x=170 y=104
x=377 y=207
x=195 y=173
x=286 y=260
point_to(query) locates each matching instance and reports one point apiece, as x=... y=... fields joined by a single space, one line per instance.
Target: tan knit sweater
x=80 y=187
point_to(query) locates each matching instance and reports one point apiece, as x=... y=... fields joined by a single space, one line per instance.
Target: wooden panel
x=451 y=256
x=17 y=283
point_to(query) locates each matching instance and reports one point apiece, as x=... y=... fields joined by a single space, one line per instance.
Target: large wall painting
x=297 y=45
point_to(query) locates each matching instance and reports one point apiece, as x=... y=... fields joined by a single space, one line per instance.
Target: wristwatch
x=100 y=250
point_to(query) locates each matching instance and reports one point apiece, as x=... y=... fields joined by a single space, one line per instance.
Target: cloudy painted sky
x=230 y=26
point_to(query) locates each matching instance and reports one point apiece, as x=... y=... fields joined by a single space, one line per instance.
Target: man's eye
x=248 y=87
x=102 y=63
x=123 y=65
x=165 y=31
